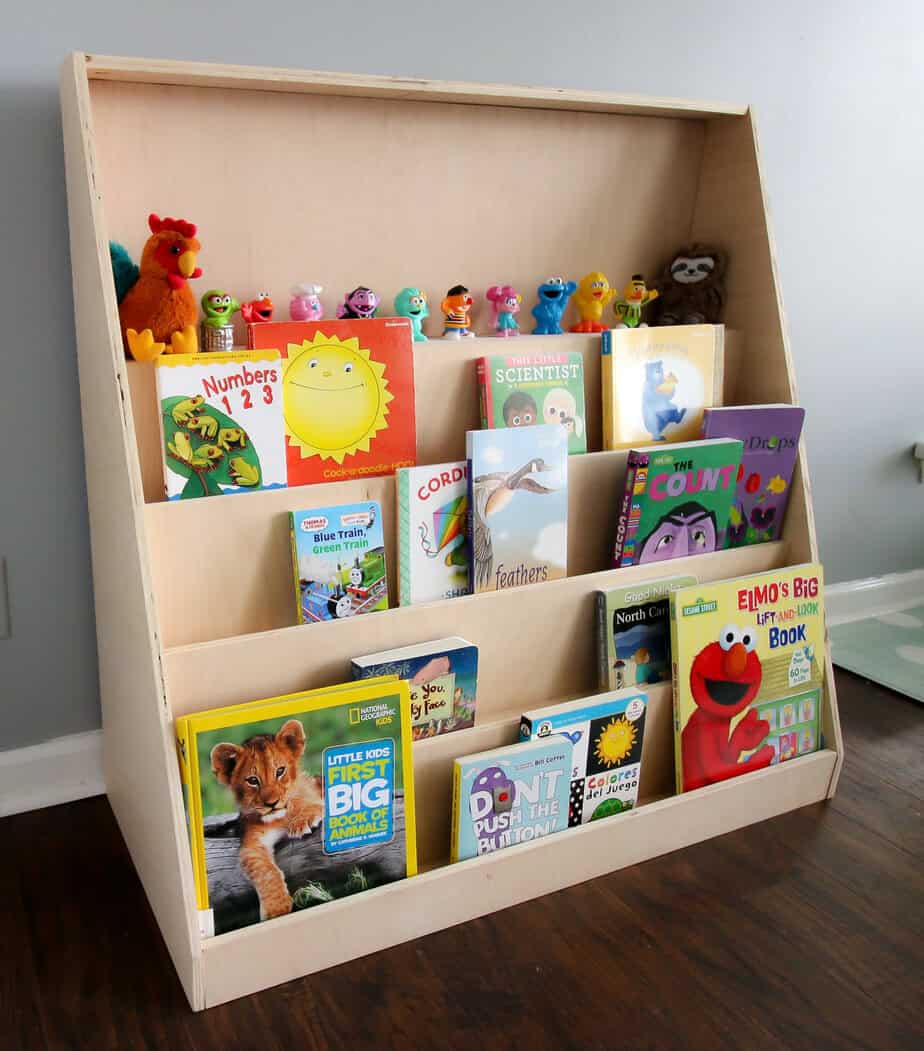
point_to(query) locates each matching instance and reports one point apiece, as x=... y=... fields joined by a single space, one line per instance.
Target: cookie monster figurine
x=553 y=299
x=412 y=303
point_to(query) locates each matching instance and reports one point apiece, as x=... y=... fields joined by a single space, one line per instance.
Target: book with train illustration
x=338 y=560
x=748 y=670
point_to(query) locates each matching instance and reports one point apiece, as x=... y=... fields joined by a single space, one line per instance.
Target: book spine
x=606 y=381
x=456 y=817
x=603 y=661
x=293 y=542
x=470 y=526
x=181 y=731
x=404 y=537
x=675 y=682
x=485 y=394
x=622 y=527
x=196 y=830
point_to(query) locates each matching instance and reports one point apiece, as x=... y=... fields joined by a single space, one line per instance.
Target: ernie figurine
x=456 y=308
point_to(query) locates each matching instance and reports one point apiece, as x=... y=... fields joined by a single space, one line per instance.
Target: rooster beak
x=187 y=263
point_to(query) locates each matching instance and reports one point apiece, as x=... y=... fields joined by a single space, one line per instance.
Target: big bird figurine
x=157 y=309
x=592 y=295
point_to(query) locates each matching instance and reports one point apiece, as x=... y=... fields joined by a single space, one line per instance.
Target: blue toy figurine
x=506 y=303
x=658 y=408
x=412 y=303
x=553 y=299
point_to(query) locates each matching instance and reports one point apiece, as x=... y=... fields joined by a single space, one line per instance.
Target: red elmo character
x=724 y=679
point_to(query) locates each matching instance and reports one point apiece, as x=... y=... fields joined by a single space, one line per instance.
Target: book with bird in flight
x=518 y=505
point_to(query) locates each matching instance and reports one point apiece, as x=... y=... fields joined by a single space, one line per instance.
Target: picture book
x=508 y=796
x=606 y=734
x=770 y=437
x=301 y=800
x=518 y=505
x=676 y=500
x=634 y=633
x=442 y=676
x=657 y=381
x=432 y=543
x=220 y=422
x=748 y=669
x=338 y=558
x=348 y=396
x=521 y=390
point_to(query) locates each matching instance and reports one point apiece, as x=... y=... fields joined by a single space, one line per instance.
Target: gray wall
x=838 y=89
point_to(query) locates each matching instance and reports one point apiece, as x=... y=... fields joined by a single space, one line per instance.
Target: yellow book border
x=218 y=357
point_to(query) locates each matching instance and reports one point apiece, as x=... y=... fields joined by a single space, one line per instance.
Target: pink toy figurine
x=305 y=304
x=506 y=303
x=360 y=303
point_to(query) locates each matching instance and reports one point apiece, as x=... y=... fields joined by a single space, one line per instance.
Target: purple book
x=770 y=434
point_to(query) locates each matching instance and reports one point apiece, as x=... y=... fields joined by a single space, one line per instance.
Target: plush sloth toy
x=691 y=287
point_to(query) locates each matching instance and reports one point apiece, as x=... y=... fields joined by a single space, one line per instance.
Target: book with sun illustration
x=517 y=505
x=748 y=669
x=220 y=422
x=606 y=734
x=348 y=396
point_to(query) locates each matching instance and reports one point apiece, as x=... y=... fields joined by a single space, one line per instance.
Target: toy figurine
x=305 y=304
x=506 y=303
x=216 y=330
x=635 y=296
x=360 y=303
x=258 y=310
x=412 y=303
x=592 y=296
x=692 y=287
x=456 y=308
x=553 y=299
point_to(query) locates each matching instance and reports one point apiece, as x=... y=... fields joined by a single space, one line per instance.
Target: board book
x=748 y=663
x=338 y=560
x=518 y=506
x=443 y=680
x=656 y=382
x=770 y=437
x=433 y=550
x=676 y=500
x=521 y=390
x=606 y=734
x=220 y=422
x=348 y=395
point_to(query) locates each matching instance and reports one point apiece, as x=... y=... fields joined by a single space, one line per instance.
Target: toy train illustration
x=350 y=590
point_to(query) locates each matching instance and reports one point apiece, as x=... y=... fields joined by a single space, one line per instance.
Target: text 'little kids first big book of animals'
x=748 y=663
x=220 y=422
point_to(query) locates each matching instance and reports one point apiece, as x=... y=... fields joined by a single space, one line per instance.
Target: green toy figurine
x=216 y=328
x=635 y=296
x=412 y=303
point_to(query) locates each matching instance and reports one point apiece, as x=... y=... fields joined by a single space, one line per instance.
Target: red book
x=348 y=396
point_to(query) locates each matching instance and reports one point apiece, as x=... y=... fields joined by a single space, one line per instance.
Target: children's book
x=508 y=796
x=220 y=422
x=518 y=505
x=634 y=633
x=521 y=390
x=748 y=666
x=348 y=394
x=338 y=558
x=770 y=435
x=676 y=500
x=443 y=678
x=433 y=551
x=657 y=381
x=606 y=734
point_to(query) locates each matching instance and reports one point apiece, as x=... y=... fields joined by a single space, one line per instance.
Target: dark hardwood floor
x=805 y=931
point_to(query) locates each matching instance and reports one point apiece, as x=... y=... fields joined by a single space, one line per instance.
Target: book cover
x=676 y=500
x=606 y=733
x=432 y=543
x=338 y=559
x=518 y=505
x=770 y=437
x=507 y=796
x=443 y=679
x=520 y=390
x=748 y=668
x=657 y=381
x=221 y=422
x=302 y=799
x=634 y=633
x=348 y=396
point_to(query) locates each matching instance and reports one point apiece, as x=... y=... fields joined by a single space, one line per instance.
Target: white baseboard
x=57 y=771
x=859 y=599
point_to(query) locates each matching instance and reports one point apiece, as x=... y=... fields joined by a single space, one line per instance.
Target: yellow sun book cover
x=748 y=670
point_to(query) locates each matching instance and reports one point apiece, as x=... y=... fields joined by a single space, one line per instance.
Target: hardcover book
x=338 y=559
x=521 y=390
x=348 y=395
x=676 y=500
x=518 y=505
x=433 y=552
x=770 y=437
x=606 y=734
x=220 y=422
x=748 y=664
x=657 y=381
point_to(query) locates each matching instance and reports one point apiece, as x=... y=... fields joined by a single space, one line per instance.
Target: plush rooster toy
x=156 y=306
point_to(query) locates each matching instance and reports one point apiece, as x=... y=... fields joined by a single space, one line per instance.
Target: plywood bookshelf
x=543 y=181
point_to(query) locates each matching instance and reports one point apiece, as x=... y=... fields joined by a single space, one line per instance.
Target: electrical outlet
x=6 y=621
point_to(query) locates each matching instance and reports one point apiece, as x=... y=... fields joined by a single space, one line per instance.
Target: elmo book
x=748 y=669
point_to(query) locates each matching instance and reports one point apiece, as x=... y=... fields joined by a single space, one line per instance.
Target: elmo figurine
x=258 y=310
x=724 y=679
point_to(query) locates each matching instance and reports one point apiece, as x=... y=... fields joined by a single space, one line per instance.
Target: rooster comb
x=179 y=226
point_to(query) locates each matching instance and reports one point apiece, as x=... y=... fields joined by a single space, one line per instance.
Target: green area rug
x=888 y=648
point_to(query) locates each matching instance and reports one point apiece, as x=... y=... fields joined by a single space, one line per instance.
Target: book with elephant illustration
x=748 y=671
x=221 y=422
